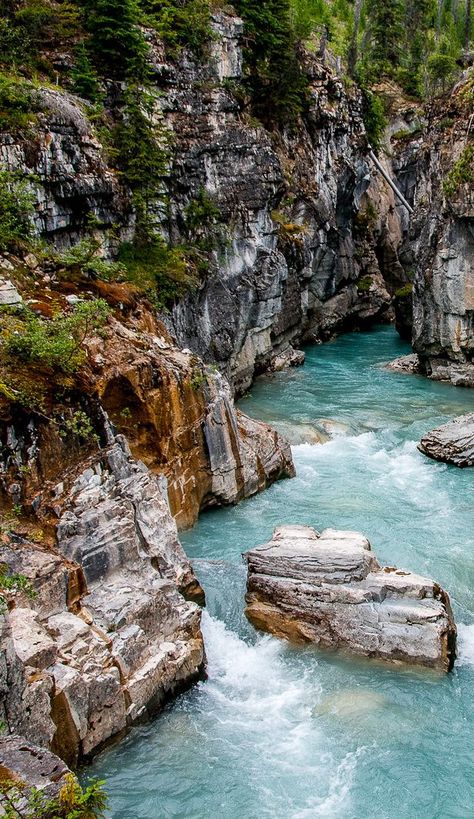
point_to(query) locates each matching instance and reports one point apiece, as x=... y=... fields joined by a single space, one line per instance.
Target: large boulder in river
x=453 y=442
x=329 y=589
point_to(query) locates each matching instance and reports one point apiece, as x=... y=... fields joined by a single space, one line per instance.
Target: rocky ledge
x=329 y=589
x=26 y=765
x=106 y=636
x=452 y=443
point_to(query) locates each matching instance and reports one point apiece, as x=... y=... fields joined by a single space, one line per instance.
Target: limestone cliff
x=108 y=631
x=294 y=254
x=435 y=170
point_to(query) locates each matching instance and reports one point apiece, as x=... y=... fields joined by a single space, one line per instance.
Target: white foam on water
x=265 y=704
x=465 y=644
x=337 y=801
x=251 y=680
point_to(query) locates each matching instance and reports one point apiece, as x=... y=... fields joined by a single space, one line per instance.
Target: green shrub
x=17 y=104
x=404 y=292
x=11 y=581
x=164 y=274
x=461 y=173
x=55 y=343
x=85 y=258
x=73 y=802
x=364 y=284
x=79 y=425
x=375 y=120
x=181 y=24
x=16 y=211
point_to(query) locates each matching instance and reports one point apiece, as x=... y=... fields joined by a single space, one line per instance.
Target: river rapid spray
x=279 y=731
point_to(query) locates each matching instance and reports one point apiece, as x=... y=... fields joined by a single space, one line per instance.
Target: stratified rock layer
x=329 y=589
x=108 y=636
x=452 y=443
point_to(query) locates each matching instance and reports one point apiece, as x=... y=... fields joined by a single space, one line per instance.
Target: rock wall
x=108 y=634
x=294 y=254
x=439 y=243
x=112 y=630
x=291 y=262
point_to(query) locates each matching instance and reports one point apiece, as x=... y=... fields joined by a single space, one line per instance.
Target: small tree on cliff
x=116 y=41
x=273 y=74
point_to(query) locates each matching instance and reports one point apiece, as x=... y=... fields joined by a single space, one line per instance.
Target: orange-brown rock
x=180 y=420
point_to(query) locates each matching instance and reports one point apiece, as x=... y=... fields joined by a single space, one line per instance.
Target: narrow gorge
x=218 y=319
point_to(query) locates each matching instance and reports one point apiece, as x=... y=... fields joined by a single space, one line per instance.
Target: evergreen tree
x=116 y=41
x=467 y=34
x=141 y=150
x=274 y=76
x=84 y=77
x=385 y=25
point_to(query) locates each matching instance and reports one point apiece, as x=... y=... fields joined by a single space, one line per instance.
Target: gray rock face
x=108 y=636
x=329 y=589
x=28 y=765
x=439 y=246
x=289 y=251
x=9 y=295
x=290 y=266
x=452 y=443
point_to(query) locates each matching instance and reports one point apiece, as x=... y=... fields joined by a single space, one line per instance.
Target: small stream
x=292 y=732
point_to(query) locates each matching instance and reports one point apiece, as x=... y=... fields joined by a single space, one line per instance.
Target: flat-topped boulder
x=452 y=443
x=329 y=589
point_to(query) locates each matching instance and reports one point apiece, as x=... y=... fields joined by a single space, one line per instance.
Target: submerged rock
x=405 y=364
x=452 y=443
x=329 y=589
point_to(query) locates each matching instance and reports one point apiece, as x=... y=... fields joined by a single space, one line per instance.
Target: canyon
x=308 y=242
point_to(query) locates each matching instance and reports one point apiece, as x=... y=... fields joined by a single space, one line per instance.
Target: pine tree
x=116 y=40
x=385 y=25
x=467 y=34
x=274 y=77
x=84 y=77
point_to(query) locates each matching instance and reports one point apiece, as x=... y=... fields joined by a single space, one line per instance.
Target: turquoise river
x=289 y=732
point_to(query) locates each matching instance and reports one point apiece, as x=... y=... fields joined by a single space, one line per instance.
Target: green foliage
x=404 y=292
x=416 y=42
x=80 y=426
x=140 y=147
x=181 y=24
x=73 y=802
x=11 y=581
x=375 y=119
x=273 y=76
x=204 y=223
x=198 y=379
x=54 y=343
x=440 y=68
x=86 y=259
x=29 y=27
x=16 y=211
x=17 y=103
x=201 y=211
x=165 y=274
x=84 y=77
x=364 y=284
x=461 y=173
x=116 y=41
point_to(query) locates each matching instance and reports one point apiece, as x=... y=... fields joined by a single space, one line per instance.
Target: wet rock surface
x=329 y=589
x=452 y=443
